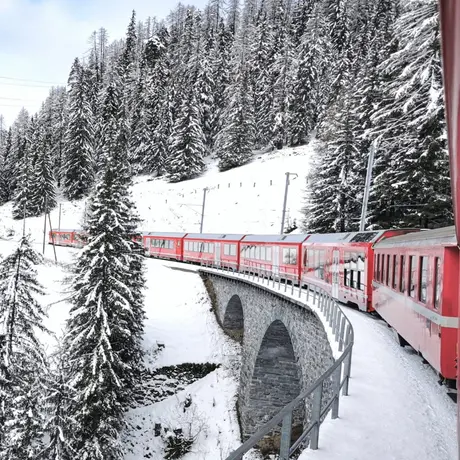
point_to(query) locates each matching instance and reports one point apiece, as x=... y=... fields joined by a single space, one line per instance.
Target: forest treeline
x=240 y=76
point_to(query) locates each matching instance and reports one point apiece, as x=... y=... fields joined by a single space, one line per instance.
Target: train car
x=67 y=237
x=341 y=263
x=274 y=255
x=164 y=245
x=220 y=250
x=416 y=292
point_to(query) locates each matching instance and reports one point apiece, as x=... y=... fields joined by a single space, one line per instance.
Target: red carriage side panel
x=164 y=245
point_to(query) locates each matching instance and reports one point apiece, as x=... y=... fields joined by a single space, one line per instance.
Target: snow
x=395 y=410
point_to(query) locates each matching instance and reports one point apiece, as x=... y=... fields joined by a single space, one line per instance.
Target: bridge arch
x=276 y=379
x=233 y=320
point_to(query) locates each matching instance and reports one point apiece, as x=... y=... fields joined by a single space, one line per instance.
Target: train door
x=276 y=260
x=335 y=273
x=217 y=254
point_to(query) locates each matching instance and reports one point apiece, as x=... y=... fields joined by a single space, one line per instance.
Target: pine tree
x=24 y=359
x=187 y=141
x=43 y=193
x=234 y=142
x=78 y=149
x=57 y=400
x=411 y=186
x=105 y=324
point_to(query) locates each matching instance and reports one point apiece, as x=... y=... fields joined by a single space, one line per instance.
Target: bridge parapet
x=288 y=375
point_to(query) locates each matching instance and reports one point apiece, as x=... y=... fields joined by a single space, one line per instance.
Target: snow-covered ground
x=248 y=199
x=396 y=410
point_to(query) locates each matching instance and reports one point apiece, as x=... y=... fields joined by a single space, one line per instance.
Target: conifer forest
x=236 y=78
x=244 y=76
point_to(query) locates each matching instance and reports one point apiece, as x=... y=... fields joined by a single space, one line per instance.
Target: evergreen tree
x=234 y=143
x=411 y=185
x=78 y=149
x=24 y=359
x=58 y=426
x=187 y=141
x=43 y=193
x=105 y=325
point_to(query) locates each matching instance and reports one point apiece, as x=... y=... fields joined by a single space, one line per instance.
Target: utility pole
x=59 y=224
x=285 y=199
x=202 y=209
x=52 y=237
x=44 y=224
x=367 y=186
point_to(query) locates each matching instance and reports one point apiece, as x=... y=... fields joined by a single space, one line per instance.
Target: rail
x=340 y=331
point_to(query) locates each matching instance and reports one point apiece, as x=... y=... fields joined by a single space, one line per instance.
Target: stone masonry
x=285 y=347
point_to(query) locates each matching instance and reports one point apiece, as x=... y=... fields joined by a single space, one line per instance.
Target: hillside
x=248 y=199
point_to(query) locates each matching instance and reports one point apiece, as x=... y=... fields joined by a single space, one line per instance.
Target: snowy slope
x=248 y=199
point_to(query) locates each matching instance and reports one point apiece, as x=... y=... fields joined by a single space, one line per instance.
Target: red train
x=408 y=276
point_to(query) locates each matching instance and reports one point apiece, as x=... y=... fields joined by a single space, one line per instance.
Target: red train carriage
x=342 y=264
x=277 y=255
x=416 y=292
x=164 y=245
x=221 y=250
x=74 y=238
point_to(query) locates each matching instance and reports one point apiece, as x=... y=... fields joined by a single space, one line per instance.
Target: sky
x=39 y=39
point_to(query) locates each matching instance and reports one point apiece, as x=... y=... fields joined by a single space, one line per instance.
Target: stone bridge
x=285 y=347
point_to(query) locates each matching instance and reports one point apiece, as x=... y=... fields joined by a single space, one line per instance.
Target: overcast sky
x=39 y=39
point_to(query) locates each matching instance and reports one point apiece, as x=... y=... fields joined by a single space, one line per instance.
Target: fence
x=337 y=376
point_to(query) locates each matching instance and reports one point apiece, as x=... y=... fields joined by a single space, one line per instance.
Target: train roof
x=65 y=230
x=294 y=238
x=165 y=234
x=216 y=236
x=439 y=237
x=348 y=237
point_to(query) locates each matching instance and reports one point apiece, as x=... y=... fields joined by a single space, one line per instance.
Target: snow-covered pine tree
x=23 y=205
x=5 y=147
x=307 y=89
x=234 y=142
x=333 y=203
x=105 y=324
x=56 y=401
x=187 y=146
x=24 y=359
x=43 y=193
x=411 y=186
x=78 y=148
x=160 y=91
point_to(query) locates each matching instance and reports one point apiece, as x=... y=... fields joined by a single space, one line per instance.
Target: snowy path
x=396 y=409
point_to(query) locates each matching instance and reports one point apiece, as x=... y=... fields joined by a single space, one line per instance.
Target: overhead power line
x=30 y=80
x=2 y=83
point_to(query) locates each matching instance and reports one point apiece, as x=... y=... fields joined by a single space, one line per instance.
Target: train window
x=412 y=274
x=196 y=246
x=233 y=249
x=402 y=274
x=305 y=252
x=322 y=263
x=262 y=253
x=377 y=268
x=206 y=247
x=395 y=278
x=387 y=273
x=211 y=248
x=268 y=253
x=361 y=274
x=352 y=279
x=382 y=270
x=290 y=256
x=226 y=249
x=437 y=282
x=422 y=279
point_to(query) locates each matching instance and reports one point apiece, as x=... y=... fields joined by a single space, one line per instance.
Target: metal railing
x=336 y=378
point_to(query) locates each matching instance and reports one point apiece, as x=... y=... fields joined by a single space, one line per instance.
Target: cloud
x=40 y=39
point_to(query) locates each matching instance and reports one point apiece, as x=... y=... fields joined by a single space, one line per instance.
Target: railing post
x=292 y=288
x=308 y=292
x=333 y=312
x=315 y=415
x=342 y=331
x=300 y=292
x=285 y=443
x=336 y=376
x=285 y=284
x=258 y=275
